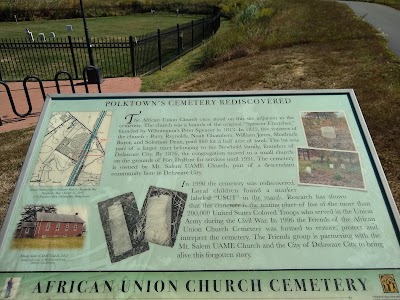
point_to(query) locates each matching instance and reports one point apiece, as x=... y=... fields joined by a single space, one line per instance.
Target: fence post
x=132 y=48
x=71 y=47
x=219 y=20
x=85 y=82
x=204 y=30
x=1 y=76
x=159 y=48
x=192 y=34
x=178 y=39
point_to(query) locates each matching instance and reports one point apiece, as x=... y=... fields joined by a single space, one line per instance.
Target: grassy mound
x=302 y=44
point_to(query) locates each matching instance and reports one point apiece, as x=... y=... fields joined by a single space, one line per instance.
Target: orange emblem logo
x=388 y=283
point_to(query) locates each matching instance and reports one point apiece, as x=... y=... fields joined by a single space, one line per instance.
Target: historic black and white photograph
x=161 y=215
x=119 y=217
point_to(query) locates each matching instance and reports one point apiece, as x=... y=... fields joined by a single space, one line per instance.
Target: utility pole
x=92 y=72
x=89 y=46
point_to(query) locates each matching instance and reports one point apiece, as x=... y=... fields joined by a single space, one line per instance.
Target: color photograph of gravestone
x=327 y=130
x=330 y=168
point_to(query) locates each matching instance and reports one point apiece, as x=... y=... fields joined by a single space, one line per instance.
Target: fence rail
x=117 y=56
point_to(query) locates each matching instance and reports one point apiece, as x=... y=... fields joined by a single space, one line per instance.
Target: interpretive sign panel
x=202 y=195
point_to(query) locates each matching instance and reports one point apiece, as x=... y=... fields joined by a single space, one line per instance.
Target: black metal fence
x=131 y=56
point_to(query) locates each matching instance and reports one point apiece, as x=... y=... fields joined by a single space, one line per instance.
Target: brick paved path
x=13 y=122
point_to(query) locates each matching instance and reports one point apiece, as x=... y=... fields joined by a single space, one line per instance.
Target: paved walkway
x=13 y=122
x=383 y=18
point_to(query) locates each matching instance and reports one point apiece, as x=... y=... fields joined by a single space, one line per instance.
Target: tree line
x=28 y=10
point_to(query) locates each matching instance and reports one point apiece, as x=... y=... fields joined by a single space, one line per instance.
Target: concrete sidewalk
x=13 y=122
x=384 y=18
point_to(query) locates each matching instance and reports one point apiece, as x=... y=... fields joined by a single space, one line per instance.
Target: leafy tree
x=30 y=211
x=303 y=151
x=320 y=115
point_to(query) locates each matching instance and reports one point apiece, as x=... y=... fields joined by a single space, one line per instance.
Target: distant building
x=52 y=225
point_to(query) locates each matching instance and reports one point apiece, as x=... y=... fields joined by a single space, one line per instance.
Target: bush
x=337 y=177
x=243 y=38
x=230 y=9
x=219 y=46
x=248 y=14
x=265 y=13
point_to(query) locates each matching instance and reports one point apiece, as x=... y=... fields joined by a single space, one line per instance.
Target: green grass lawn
x=45 y=59
x=120 y=26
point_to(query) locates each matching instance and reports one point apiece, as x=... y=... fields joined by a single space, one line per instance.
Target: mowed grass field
x=117 y=26
x=48 y=243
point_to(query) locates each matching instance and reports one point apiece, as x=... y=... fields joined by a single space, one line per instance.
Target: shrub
x=248 y=14
x=218 y=46
x=243 y=38
x=265 y=13
x=230 y=9
x=337 y=177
